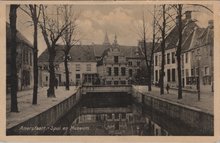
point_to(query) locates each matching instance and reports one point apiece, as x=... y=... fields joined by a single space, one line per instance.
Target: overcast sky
x=95 y=20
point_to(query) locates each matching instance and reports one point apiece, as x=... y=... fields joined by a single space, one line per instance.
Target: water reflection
x=114 y=121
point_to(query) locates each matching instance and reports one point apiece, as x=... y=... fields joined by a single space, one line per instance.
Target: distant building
x=110 y=64
x=24 y=61
x=81 y=65
x=118 y=65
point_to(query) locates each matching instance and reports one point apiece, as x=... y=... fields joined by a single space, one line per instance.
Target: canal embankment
x=200 y=119
x=34 y=119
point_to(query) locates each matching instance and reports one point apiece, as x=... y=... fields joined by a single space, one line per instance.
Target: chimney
x=210 y=24
x=188 y=15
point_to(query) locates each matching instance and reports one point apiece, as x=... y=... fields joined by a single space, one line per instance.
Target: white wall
x=73 y=72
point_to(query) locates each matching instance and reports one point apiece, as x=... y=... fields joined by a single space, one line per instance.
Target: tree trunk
x=67 y=71
x=14 y=78
x=52 y=54
x=149 y=77
x=35 y=60
x=178 y=52
x=163 y=53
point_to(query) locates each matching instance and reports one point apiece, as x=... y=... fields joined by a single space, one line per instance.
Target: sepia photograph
x=109 y=69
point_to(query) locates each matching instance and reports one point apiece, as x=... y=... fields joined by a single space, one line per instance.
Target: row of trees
x=165 y=18
x=61 y=27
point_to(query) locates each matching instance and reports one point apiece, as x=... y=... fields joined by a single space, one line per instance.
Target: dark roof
x=44 y=57
x=89 y=53
x=186 y=44
x=172 y=38
x=20 y=37
x=78 y=53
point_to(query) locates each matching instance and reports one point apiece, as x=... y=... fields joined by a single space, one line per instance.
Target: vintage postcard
x=110 y=71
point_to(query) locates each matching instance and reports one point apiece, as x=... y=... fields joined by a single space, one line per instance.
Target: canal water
x=115 y=114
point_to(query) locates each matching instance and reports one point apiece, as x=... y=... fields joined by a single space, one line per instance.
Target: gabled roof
x=172 y=38
x=20 y=37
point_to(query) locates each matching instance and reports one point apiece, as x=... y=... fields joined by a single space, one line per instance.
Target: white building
x=170 y=67
x=82 y=66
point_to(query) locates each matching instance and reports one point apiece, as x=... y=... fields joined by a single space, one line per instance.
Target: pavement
x=205 y=104
x=27 y=110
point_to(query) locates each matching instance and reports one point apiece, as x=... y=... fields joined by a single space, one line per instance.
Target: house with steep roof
x=201 y=57
x=118 y=64
x=170 y=67
x=24 y=61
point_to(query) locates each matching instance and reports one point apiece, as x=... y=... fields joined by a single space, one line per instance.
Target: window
x=108 y=82
x=197 y=71
x=46 y=78
x=156 y=61
x=173 y=57
x=192 y=72
x=109 y=116
x=187 y=72
x=206 y=70
x=77 y=67
x=130 y=72
x=88 y=67
x=123 y=71
x=165 y=59
x=116 y=59
x=23 y=56
x=168 y=75
x=168 y=58
x=30 y=58
x=116 y=71
x=115 y=82
x=173 y=75
x=138 y=71
x=130 y=63
x=186 y=58
x=156 y=75
x=159 y=60
x=123 y=116
x=182 y=73
x=109 y=69
x=116 y=115
x=123 y=82
x=77 y=76
x=138 y=63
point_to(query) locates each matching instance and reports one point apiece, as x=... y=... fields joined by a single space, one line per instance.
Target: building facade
x=24 y=61
x=196 y=56
x=81 y=65
x=118 y=64
x=201 y=58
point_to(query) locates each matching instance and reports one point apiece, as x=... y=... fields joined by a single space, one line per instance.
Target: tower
x=106 y=40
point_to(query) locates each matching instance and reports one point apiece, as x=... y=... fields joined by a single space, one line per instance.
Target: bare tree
x=69 y=38
x=34 y=12
x=148 y=52
x=52 y=32
x=179 y=47
x=163 y=30
x=163 y=22
x=14 y=77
